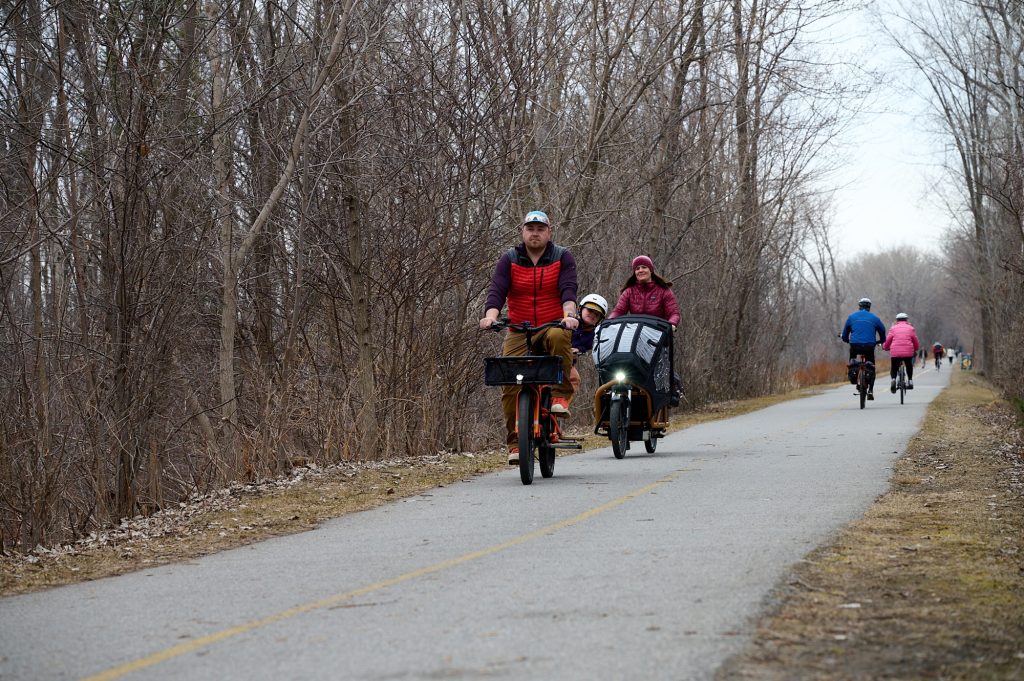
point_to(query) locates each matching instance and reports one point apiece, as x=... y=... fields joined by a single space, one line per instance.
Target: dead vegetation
x=930 y=583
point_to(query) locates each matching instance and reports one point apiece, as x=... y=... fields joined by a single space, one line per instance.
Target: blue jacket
x=861 y=328
x=583 y=341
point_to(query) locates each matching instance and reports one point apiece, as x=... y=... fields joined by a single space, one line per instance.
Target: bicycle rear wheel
x=903 y=383
x=545 y=452
x=862 y=388
x=525 y=425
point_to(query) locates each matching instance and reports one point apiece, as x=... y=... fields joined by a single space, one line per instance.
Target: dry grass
x=821 y=373
x=930 y=583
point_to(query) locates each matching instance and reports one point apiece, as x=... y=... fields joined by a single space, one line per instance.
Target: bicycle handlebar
x=840 y=337
x=505 y=323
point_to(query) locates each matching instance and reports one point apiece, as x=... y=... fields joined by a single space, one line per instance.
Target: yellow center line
x=337 y=599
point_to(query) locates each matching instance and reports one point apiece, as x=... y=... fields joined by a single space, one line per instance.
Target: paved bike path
x=651 y=567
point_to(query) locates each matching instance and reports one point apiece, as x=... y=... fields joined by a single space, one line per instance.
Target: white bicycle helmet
x=864 y=303
x=596 y=303
x=902 y=317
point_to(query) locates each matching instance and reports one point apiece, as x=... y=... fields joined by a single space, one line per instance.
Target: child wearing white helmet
x=593 y=308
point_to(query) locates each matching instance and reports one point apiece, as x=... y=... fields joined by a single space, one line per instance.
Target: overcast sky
x=883 y=199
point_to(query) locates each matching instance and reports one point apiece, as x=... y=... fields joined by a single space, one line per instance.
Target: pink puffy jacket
x=651 y=299
x=901 y=341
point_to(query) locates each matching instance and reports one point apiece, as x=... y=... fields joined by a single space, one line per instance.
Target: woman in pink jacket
x=902 y=344
x=647 y=293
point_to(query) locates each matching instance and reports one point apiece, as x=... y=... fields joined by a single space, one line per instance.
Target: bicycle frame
x=540 y=413
x=862 y=379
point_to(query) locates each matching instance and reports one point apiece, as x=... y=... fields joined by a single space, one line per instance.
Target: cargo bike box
x=633 y=355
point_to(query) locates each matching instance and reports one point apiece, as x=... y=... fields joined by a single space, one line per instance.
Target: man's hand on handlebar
x=570 y=322
x=504 y=323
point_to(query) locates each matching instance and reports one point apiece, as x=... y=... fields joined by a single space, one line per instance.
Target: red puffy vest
x=533 y=294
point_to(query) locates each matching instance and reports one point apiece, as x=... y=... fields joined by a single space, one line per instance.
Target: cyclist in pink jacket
x=646 y=292
x=902 y=344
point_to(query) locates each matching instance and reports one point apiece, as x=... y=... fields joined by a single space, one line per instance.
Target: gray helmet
x=864 y=303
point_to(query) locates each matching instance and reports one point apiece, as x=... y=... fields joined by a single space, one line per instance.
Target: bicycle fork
x=540 y=412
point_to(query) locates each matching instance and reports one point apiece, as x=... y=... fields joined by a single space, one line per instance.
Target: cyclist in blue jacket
x=863 y=330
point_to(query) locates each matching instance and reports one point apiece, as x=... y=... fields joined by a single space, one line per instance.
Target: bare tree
x=238 y=234
x=970 y=56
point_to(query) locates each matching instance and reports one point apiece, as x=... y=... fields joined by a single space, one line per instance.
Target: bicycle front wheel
x=525 y=425
x=618 y=428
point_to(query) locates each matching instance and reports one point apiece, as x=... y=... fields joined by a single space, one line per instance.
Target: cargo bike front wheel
x=618 y=426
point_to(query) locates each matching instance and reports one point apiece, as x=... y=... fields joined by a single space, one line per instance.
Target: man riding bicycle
x=537 y=279
x=863 y=330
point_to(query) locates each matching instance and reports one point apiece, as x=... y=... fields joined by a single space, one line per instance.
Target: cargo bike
x=633 y=356
x=538 y=431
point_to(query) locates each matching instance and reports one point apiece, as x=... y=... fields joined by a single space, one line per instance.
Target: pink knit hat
x=642 y=260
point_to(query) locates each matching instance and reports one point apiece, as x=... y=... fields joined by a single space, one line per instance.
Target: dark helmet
x=864 y=303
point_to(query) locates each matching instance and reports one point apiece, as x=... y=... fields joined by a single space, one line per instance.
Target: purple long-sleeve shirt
x=501 y=280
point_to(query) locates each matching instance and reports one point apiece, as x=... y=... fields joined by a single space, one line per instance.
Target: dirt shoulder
x=930 y=583
x=247 y=513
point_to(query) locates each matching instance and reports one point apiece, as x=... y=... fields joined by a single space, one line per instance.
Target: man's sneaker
x=910 y=385
x=513 y=456
x=560 y=406
x=871 y=395
x=892 y=385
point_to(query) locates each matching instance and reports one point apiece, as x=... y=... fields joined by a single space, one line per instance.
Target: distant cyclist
x=937 y=352
x=902 y=344
x=863 y=330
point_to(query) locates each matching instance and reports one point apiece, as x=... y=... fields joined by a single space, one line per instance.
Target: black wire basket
x=525 y=370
